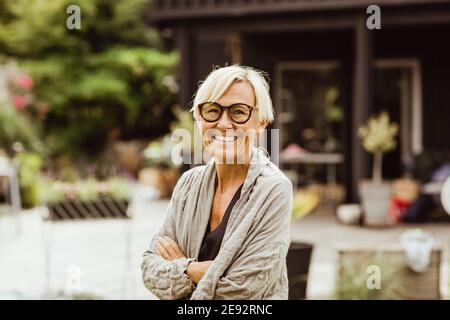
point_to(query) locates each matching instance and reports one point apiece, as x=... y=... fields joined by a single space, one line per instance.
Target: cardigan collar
x=258 y=160
x=201 y=199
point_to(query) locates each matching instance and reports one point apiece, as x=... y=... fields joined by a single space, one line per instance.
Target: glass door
x=310 y=117
x=398 y=91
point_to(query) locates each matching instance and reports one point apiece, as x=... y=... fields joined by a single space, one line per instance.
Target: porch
x=329 y=72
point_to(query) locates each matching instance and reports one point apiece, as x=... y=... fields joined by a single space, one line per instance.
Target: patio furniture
x=72 y=210
x=10 y=182
x=439 y=189
x=445 y=195
x=330 y=160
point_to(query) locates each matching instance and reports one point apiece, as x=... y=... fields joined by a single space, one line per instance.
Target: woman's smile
x=225 y=139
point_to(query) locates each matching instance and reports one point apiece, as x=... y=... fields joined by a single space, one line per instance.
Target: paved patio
x=91 y=255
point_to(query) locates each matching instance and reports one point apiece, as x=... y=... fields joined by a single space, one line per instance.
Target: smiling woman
x=223 y=109
x=226 y=233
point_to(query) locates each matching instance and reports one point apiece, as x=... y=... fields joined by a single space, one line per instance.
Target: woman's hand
x=196 y=270
x=168 y=249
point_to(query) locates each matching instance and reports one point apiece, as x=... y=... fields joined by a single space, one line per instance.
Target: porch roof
x=176 y=10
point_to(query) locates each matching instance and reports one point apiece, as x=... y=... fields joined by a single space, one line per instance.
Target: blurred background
x=86 y=116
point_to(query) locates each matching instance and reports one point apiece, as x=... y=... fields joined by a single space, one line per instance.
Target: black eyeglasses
x=239 y=113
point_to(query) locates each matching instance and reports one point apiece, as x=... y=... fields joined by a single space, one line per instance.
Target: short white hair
x=220 y=79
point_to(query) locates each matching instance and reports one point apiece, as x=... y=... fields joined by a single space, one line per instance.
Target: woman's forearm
x=168 y=280
x=196 y=270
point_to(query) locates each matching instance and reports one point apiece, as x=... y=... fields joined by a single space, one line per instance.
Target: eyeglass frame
x=222 y=109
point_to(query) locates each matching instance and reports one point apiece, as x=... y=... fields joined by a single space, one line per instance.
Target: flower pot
x=375 y=198
x=298 y=261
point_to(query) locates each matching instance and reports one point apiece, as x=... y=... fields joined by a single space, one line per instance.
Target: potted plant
x=378 y=137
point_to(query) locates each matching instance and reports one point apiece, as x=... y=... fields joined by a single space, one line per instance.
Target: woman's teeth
x=224 y=139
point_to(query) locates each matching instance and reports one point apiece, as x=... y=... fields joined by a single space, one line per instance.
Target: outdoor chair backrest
x=102 y=208
x=6 y=169
x=445 y=195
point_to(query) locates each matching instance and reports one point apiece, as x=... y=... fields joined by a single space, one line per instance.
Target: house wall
x=431 y=46
x=323 y=36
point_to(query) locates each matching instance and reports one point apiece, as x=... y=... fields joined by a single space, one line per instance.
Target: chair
x=445 y=195
x=11 y=185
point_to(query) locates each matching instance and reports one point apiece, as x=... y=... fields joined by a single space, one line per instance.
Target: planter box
x=354 y=260
x=298 y=261
x=102 y=208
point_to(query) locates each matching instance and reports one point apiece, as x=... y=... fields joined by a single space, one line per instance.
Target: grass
x=352 y=280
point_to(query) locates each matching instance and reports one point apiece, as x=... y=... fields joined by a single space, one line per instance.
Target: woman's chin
x=230 y=155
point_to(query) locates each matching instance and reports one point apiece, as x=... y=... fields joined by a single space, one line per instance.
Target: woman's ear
x=262 y=125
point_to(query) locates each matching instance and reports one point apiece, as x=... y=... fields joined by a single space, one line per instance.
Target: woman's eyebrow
x=231 y=104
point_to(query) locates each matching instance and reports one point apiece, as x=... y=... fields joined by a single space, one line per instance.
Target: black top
x=212 y=240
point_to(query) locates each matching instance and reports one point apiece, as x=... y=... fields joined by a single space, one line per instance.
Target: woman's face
x=226 y=140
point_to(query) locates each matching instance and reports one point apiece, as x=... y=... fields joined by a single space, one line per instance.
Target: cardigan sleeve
x=254 y=273
x=167 y=279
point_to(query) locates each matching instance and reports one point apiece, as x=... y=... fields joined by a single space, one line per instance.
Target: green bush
x=16 y=128
x=83 y=190
x=113 y=75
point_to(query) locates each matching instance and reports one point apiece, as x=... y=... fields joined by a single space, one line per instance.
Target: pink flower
x=25 y=81
x=19 y=102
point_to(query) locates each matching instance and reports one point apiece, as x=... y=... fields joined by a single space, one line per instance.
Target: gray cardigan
x=251 y=263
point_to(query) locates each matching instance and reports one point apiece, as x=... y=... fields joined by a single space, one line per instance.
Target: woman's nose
x=225 y=121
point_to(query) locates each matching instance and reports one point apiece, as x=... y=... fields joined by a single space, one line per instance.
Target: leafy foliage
x=378 y=137
x=353 y=277
x=112 y=75
x=379 y=134
x=29 y=167
x=14 y=127
x=84 y=190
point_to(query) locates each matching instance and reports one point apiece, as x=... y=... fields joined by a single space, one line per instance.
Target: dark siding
x=431 y=45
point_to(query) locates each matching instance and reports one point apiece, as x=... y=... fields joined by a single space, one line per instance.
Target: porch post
x=183 y=40
x=362 y=101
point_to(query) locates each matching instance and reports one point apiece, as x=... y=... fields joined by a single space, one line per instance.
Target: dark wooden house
x=329 y=72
